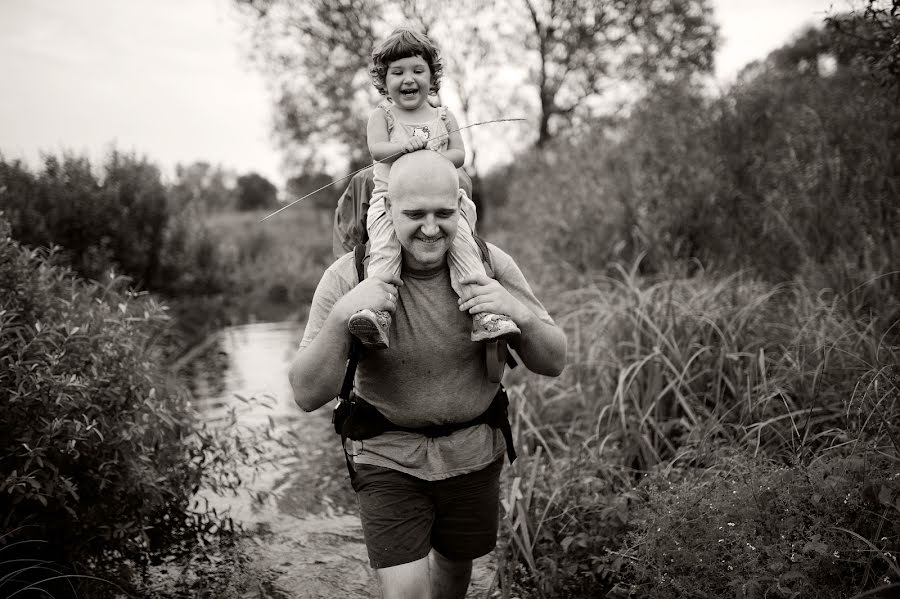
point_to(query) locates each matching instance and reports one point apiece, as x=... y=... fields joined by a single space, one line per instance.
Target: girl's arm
x=381 y=147
x=456 y=151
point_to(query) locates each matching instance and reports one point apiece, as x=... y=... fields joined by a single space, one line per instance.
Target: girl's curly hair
x=403 y=43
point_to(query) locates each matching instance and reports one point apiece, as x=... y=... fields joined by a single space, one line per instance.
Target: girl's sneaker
x=486 y=325
x=371 y=328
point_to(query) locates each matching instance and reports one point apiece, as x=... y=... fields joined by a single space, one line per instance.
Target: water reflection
x=244 y=371
x=252 y=363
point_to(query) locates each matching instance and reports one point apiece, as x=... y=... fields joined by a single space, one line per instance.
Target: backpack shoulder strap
x=356 y=347
x=485 y=255
x=359 y=256
x=489 y=271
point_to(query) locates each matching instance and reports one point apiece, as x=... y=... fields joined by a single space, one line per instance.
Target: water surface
x=243 y=372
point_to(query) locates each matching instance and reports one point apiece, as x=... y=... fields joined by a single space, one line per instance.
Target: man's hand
x=378 y=292
x=484 y=294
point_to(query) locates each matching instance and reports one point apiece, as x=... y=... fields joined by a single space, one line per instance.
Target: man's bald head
x=422 y=204
x=422 y=172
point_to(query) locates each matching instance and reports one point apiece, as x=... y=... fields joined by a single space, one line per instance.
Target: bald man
x=429 y=505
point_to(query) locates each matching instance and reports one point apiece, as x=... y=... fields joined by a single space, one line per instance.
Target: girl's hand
x=484 y=294
x=414 y=144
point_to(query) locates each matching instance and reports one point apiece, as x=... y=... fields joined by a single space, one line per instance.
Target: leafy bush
x=124 y=221
x=102 y=456
x=670 y=376
x=755 y=529
x=793 y=172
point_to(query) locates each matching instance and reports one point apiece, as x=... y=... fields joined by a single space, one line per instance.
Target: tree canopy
x=558 y=61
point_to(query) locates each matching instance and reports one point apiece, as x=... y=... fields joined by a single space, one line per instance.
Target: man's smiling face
x=423 y=205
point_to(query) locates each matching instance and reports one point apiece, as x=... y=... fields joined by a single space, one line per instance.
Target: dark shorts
x=404 y=517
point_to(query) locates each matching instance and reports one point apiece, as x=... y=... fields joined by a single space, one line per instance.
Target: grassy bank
x=274 y=266
x=711 y=436
x=728 y=424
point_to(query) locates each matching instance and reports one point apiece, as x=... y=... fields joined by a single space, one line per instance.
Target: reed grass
x=276 y=265
x=667 y=379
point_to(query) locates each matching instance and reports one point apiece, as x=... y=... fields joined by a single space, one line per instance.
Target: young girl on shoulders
x=407 y=69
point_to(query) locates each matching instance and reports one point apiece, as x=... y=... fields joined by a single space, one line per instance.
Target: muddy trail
x=309 y=541
x=324 y=558
x=306 y=538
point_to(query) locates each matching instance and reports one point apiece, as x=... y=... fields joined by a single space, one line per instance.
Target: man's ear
x=460 y=193
x=387 y=209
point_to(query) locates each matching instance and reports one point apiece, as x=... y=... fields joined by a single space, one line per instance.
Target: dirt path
x=310 y=544
x=320 y=557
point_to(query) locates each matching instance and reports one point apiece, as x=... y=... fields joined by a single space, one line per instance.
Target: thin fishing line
x=344 y=178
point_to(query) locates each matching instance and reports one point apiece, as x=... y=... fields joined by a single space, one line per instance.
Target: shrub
x=672 y=375
x=755 y=529
x=124 y=220
x=102 y=457
x=791 y=173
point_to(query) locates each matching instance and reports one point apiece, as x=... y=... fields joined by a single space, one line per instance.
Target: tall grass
x=725 y=270
x=275 y=265
x=669 y=377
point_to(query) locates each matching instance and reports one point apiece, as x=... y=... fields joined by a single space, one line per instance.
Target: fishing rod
x=344 y=178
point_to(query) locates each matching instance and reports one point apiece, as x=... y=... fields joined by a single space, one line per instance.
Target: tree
x=309 y=181
x=255 y=192
x=318 y=53
x=584 y=47
x=873 y=38
x=204 y=187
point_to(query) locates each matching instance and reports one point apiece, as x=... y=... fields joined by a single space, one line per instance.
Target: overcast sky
x=169 y=78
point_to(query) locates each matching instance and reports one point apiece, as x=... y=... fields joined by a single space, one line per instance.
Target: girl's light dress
x=464 y=256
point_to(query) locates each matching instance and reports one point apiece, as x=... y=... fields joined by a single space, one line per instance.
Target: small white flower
x=731 y=524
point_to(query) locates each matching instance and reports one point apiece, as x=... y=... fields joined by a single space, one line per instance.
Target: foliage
x=316 y=53
x=104 y=453
x=203 y=187
x=308 y=182
x=275 y=265
x=792 y=173
x=872 y=38
x=584 y=46
x=578 y=51
x=125 y=221
x=756 y=529
x=255 y=192
x=224 y=572
x=670 y=378
x=117 y=220
x=99 y=458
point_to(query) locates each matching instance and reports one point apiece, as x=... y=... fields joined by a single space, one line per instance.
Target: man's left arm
x=542 y=345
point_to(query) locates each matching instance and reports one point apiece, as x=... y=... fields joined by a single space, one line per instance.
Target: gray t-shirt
x=431 y=374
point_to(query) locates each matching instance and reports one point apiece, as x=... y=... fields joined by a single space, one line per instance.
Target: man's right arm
x=317 y=370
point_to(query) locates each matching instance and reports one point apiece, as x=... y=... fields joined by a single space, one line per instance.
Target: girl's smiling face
x=408 y=81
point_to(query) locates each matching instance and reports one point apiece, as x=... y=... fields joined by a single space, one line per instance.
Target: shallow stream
x=300 y=503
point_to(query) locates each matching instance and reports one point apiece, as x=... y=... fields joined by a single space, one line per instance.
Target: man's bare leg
x=449 y=579
x=406 y=581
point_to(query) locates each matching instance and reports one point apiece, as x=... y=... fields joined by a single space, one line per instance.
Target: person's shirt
x=431 y=374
